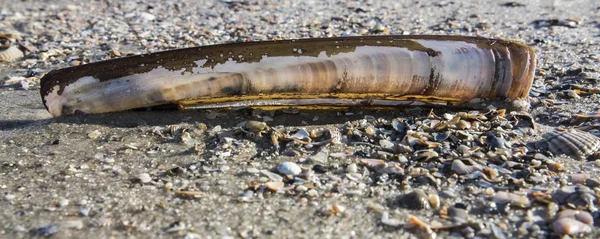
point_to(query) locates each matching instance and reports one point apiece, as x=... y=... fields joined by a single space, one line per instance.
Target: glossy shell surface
x=416 y=200
x=373 y=70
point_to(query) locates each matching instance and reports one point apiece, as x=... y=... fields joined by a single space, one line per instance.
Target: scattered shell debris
x=569 y=22
x=489 y=156
x=24 y=83
x=349 y=173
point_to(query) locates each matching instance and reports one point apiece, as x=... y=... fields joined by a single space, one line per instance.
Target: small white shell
x=301 y=134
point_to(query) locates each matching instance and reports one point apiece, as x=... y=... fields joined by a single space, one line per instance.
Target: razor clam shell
x=571 y=142
x=387 y=70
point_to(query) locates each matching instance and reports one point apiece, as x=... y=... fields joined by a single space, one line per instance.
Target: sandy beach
x=199 y=174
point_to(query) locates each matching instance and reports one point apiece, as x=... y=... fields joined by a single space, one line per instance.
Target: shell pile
x=451 y=168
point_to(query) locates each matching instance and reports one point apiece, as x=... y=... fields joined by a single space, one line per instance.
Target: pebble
x=312 y=193
x=458 y=215
x=572 y=94
x=144 y=178
x=463 y=124
x=386 y=144
x=275 y=186
x=592 y=183
x=253 y=170
x=497 y=232
x=94 y=134
x=107 y=160
x=511 y=198
x=392 y=222
x=461 y=168
x=498 y=143
x=570 y=226
x=353 y=193
x=63 y=202
x=434 y=201
x=370 y=130
x=82 y=202
x=146 y=17
x=19 y=229
x=337 y=208
x=301 y=188
x=84 y=212
x=72 y=224
x=448 y=193
x=48 y=230
x=351 y=168
x=175 y=227
x=581 y=216
x=320 y=157
x=289 y=168
x=9 y=197
x=272 y=176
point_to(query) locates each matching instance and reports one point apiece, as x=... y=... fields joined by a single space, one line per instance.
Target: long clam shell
x=372 y=70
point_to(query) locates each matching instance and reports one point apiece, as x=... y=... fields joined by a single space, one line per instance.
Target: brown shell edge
x=185 y=58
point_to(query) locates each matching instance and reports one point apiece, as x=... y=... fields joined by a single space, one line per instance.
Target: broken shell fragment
x=254 y=127
x=189 y=194
x=573 y=143
x=275 y=186
x=577 y=196
x=434 y=200
x=461 y=168
x=511 y=198
x=382 y=166
x=419 y=228
x=11 y=53
x=8 y=51
x=320 y=73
